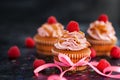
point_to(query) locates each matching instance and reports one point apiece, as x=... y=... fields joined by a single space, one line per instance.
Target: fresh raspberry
x=93 y=53
x=73 y=26
x=103 y=64
x=103 y=17
x=29 y=42
x=115 y=52
x=14 y=52
x=51 y=20
x=38 y=62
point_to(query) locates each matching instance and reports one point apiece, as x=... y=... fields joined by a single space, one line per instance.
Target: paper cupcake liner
x=81 y=68
x=45 y=40
x=44 y=44
x=44 y=49
x=39 y=52
x=102 y=47
x=75 y=56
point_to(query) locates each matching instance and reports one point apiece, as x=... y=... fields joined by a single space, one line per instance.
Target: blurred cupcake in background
x=73 y=44
x=101 y=35
x=47 y=35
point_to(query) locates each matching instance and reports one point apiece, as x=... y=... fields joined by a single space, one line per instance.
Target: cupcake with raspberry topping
x=47 y=35
x=73 y=44
x=101 y=35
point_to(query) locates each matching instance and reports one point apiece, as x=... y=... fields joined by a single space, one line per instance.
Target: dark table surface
x=21 y=69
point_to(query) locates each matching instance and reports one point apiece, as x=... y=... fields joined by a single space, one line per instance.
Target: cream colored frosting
x=72 y=41
x=101 y=30
x=51 y=30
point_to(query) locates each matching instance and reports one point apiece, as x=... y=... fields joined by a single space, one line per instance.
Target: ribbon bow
x=66 y=61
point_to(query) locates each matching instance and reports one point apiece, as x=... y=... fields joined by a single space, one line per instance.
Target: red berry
x=73 y=26
x=14 y=52
x=51 y=20
x=102 y=64
x=93 y=53
x=38 y=62
x=29 y=42
x=115 y=52
x=103 y=17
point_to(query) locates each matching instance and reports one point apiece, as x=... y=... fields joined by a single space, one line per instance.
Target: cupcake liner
x=102 y=47
x=39 y=52
x=75 y=56
x=81 y=68
x=45 y=40
x=44 y=44
x=44 y=49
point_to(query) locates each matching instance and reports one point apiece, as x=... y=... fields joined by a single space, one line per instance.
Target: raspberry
x=73 y=26
x=103 y=17
x=93 y=53
x=51 y=20
x=29 y=42
x=14 y=52
x=102 y=64
x=115 y=52
x=38 y=63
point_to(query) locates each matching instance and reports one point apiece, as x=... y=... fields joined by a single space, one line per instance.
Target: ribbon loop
x=40 y=68
x=65 y=59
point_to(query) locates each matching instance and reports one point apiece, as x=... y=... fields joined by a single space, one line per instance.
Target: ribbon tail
x=114 y=76
x=40 y=68
x=61 y=75
x=103 y=74
x=94 y=68
x=94 y=63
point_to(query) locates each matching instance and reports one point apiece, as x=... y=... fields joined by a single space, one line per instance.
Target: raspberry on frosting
x=103 y=64
x=103 y=17
x=73 y=26
x=51 y=20
x=115 y=52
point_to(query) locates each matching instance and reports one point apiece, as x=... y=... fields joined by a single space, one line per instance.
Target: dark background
x=38 y=10
x=21 y=18
x=33 y=13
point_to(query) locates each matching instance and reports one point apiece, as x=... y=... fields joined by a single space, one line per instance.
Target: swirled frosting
x=100 y=30
x=51 y=30
x=72 y=41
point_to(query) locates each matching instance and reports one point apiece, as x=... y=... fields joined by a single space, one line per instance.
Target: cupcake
x=47 y=35
x=101 y=35
x=73 y=44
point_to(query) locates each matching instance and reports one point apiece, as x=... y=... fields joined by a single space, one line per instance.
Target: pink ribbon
x=65 y=61
x=40 y=68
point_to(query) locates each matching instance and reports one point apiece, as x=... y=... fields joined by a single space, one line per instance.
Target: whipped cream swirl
x=101 y=30
x=51 y=30
x=72 y=41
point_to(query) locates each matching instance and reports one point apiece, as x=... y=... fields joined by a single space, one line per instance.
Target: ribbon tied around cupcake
x=65 y=61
